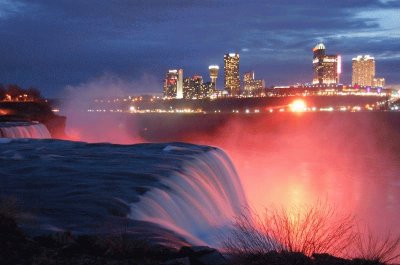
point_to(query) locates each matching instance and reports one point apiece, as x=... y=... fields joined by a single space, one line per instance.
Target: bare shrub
x=383 y=249
x=315 y=229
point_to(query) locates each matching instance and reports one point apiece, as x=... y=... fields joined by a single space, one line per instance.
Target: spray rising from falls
x=24 y=130
x=197 y=202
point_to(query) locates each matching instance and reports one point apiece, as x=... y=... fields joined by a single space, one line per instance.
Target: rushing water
x=189 y=192
x=283 y=159
x=351 y=160
x=23 y=130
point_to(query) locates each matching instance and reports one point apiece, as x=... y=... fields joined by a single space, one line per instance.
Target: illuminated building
x=188 y=93
x=363 y=70
x=251 y=86
x=378 y=82
x=208 y=89
x=214 y=69
x=232 y=79
x=179 y=89
x=327 y=68
x=195 y=88
x=173 y=84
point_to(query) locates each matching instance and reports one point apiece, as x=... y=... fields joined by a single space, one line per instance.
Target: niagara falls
x=199 y=132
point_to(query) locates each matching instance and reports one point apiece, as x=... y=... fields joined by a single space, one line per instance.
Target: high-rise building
x=232 y=79
x=327 y=68
x=363 y=70
x=179 y=88
x=195 y=88
x=252 y=87
x=173 y=84
x=187 y=88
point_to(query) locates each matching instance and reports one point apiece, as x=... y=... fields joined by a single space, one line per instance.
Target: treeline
x=13 y=92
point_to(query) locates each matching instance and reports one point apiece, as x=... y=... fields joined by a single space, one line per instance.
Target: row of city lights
x=298 y=105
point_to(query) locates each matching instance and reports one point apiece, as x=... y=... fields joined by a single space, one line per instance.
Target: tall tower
x=326 y=68
x=363 y=70
x=232 y=79
x=179 y=86
x=214 y=69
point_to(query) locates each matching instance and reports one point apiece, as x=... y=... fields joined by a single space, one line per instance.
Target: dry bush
x=315 y=229
x=383 y=249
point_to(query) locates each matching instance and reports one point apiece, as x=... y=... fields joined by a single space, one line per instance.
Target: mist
x=296 y=159
x=107 y=127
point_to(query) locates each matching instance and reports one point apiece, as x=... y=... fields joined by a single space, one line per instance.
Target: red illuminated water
x=350 y=160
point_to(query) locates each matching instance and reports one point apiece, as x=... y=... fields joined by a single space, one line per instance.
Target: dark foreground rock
x=295 y=258
x=65 y=249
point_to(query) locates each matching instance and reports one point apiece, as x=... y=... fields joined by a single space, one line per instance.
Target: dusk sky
x=51 y=44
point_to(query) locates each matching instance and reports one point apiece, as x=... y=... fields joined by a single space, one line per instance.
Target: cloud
x=51 y=44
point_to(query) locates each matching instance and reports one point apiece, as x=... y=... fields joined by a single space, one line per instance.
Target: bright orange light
x=298 y=105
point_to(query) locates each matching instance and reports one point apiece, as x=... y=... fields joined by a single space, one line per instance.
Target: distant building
x=214 y=69
x=188 y=91
x=179 y=88
x=326 y=68
x=232 y=79
x=363 y=70
x=173 y=84
x=252 y=87
x=378 y=82
x=195 y=88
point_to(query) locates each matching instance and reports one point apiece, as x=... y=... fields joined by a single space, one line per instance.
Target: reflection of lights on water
x=298 y=105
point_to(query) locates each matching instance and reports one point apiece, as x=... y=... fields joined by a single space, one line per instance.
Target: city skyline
x=51 y=45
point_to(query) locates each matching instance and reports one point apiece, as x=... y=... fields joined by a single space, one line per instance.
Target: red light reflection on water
x=288 y=159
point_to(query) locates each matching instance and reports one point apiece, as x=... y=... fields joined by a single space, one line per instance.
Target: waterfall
x=197 y=203
x=167 y=193
x=24 y=130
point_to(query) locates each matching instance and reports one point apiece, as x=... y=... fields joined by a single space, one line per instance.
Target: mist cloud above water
x=89 y=127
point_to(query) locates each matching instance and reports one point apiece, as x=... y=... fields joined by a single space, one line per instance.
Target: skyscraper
x=327 y=68
x=179 y=86
x=363 y=70
x=173 y=84
x=232 y=79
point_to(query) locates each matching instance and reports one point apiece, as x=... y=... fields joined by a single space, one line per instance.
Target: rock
x=212 y=258
x=195 y=250
x=180 y=261
x=203 y=255
x=322 y=259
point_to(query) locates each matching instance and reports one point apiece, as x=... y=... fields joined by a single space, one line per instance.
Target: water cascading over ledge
x=24 y=130
x=172 y=193
x=198 y=200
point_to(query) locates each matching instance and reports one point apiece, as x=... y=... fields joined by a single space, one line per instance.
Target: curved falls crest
x=197 y=201
x=173 y=191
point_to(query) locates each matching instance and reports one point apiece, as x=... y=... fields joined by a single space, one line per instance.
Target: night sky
x=51 y=44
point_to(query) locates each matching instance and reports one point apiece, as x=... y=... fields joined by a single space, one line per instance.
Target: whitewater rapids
x=171 y=192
